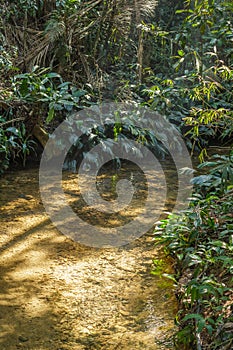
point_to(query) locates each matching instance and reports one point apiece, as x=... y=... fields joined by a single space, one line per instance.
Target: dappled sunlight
x=139 y=306
x=58 y=294
x=36 y=306
x=106 y=185
x=27 y=316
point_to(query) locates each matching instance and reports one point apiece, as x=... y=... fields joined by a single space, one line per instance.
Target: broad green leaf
x=50 y=116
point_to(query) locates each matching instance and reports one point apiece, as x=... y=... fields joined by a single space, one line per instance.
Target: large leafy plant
x=219 y=175
x=14 y=144
x=200 y=240
x=195 y=91
x=42 y=94
x=47 y=92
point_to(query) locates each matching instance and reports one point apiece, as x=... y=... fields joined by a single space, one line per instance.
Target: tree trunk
x=48 y=7
x=41 y=135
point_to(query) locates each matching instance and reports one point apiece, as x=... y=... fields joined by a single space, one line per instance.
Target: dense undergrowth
x=201 y=241
x=58 y=56
x=176 y=58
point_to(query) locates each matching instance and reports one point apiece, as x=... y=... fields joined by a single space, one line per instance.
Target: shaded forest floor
x=56 y=294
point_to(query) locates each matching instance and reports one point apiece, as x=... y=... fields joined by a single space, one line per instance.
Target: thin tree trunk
x=48 y=7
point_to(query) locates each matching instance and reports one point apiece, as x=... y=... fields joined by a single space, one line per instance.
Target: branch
x=12 y=121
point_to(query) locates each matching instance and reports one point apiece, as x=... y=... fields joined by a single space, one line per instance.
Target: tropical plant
x=219 y=176
x=195 y=89
x=200 y=240
x=15 y=144
x=34 y=98
x=46 y=91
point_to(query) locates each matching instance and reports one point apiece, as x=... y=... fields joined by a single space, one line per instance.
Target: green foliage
x=47 y=96
x=68 y=6
x=175 y=58
x=48 y=90
x=14 y=143
x=202 y=108
x=200 y=239
x=6 y=59
x=18 y=9
x=194 y=87
x=115 y=126
x=220 y=176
